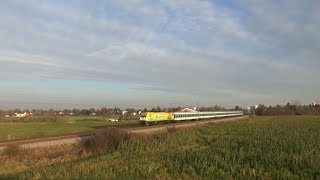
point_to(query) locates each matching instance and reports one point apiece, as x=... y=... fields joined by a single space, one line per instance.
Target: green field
x=19 y=128
x=262 y=147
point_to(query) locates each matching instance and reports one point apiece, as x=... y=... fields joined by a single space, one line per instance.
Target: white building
x=20 y=114
x=113 y=120
x=188 y=110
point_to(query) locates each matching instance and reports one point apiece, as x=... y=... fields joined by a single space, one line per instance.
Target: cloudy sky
x=143 y=53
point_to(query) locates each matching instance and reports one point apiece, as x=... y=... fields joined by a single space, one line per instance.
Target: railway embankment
x=79 y=138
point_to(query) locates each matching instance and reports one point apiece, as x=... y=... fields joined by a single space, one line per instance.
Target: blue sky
x=145 y=53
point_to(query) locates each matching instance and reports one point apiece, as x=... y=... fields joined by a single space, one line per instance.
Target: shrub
x=172 y=129
x=108 y=138
x=11 y=150
x=140 y=136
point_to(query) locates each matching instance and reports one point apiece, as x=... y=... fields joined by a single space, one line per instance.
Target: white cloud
x=250 y=51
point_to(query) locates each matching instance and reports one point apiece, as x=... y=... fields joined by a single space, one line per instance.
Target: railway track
x=80 y=137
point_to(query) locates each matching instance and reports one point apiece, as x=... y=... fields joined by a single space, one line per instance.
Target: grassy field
x=262 y=147
x=45 y=126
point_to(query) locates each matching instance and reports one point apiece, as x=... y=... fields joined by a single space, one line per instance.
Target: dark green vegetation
x=289 y=109
x=36 y=127
x=268 y=147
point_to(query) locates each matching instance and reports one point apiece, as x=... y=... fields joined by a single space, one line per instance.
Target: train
x=155 y=117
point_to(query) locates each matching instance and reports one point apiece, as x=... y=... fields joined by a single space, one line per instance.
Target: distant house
x=61 y=113
x=251 y=109
x=21 y=114
x=7 y=115
x=124 y=112
x=93 y=114
x=188 y=110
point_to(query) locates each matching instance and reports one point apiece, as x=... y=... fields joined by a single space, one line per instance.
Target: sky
x=148 y=53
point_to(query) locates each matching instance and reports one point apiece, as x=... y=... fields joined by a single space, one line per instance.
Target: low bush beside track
x=108 y=138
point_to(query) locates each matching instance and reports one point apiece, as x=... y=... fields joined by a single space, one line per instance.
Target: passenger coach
x=154 y=117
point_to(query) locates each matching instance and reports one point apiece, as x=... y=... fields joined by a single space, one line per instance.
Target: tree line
x=262 y=110
x=76 y=112
x=104 y=111
x=288 y=109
